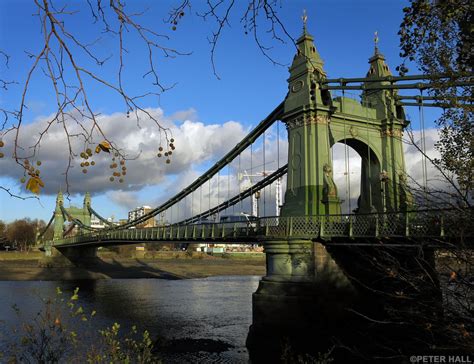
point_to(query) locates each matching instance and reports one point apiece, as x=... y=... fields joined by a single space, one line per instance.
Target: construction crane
x=246 y=182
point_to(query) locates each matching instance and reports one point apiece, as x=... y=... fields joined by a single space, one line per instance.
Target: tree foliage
x=3 y=227
x=57 y=334
x=437 y=35
x=23 y=231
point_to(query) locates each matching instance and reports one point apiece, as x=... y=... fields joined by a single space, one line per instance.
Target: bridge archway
x=365 y=176
x=346 y=165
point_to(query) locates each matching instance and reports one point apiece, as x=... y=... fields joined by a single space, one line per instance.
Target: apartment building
x=139 y=212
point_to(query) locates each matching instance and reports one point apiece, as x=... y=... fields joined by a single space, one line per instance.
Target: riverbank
x=169 y=265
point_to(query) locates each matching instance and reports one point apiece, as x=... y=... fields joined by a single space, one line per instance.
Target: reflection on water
x=214 y=312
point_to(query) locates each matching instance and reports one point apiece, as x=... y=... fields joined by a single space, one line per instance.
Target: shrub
x=48 y=338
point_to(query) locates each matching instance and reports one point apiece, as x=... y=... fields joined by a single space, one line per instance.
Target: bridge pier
x=79 y=256
x=303 y=293
x=314 y=297
x=70 y=257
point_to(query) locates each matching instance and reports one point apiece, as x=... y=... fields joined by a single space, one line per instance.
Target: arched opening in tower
x=346 y=163
x=356 y=173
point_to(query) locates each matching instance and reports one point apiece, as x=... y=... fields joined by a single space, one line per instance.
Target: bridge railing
x=413 y=224
x=416 y=224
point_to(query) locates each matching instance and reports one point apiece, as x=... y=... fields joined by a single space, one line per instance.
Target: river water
x=202 y=320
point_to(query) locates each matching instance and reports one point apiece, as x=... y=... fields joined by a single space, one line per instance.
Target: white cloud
x=413 y=156
x=128 y=200
x=195 y=143
x=197 y=147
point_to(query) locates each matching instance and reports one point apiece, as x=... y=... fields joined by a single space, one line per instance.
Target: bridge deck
x=445 y=225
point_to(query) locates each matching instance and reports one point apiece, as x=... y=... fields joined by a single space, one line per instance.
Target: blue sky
x=223 y=110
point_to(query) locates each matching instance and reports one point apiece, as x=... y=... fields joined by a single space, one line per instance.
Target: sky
x=206 y=114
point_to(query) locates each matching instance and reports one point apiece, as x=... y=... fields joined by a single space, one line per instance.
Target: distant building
x=139 y=212
x=96 y=223
x=99 y=224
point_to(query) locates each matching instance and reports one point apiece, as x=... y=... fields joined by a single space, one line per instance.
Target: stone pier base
x=299 y=303
x=315 y=298
x=70 y=257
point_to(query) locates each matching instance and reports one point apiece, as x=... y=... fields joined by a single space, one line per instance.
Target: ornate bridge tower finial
x=376 y=42
x=304 y=17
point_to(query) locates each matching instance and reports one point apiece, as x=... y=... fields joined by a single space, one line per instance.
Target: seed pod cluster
x=119 y=170
x=31 y=169
x=86 y=160
x=176 y=19
x=2 y=144
x=168 y=153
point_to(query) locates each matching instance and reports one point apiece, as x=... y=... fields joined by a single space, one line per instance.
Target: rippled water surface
x=206 y=320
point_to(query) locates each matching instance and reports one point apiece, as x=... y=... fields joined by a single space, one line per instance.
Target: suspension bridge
x=439 y=224
x=314 y=121
x=309 y=238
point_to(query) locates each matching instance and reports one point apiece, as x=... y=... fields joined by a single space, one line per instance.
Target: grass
x=243 y=255
x=16 y=255
x=158 y=255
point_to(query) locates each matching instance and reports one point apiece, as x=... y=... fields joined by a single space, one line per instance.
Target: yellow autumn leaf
x=452 y=276
x=34 y=184
x=104 y=145
x=97 y=149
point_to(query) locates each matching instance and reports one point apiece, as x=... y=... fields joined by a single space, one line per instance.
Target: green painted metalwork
x=444 y=224
x=58 y=218
x=82 y=215
x=206 y=176
x=315 y=122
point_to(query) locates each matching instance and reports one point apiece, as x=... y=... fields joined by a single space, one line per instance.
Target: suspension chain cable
x=250 y=178
x=218 y=174
x=244 y=194
x=228 y=181
x=423 y=148
x=278 y=186
x=278 y=144
x=264 y=173
x=238 y=177
x=68 y=217
x=248 y=140
x=369 y=162
x=346 y=167
x=46 y=227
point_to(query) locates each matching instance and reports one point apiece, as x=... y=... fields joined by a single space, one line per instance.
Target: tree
x=437 y=35
x=74 y=65
x=23 y=232
x=2 y=228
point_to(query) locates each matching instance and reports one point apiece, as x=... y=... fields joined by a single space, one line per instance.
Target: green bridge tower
x=63 y=214
x=303 y=280
x=315 y=122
